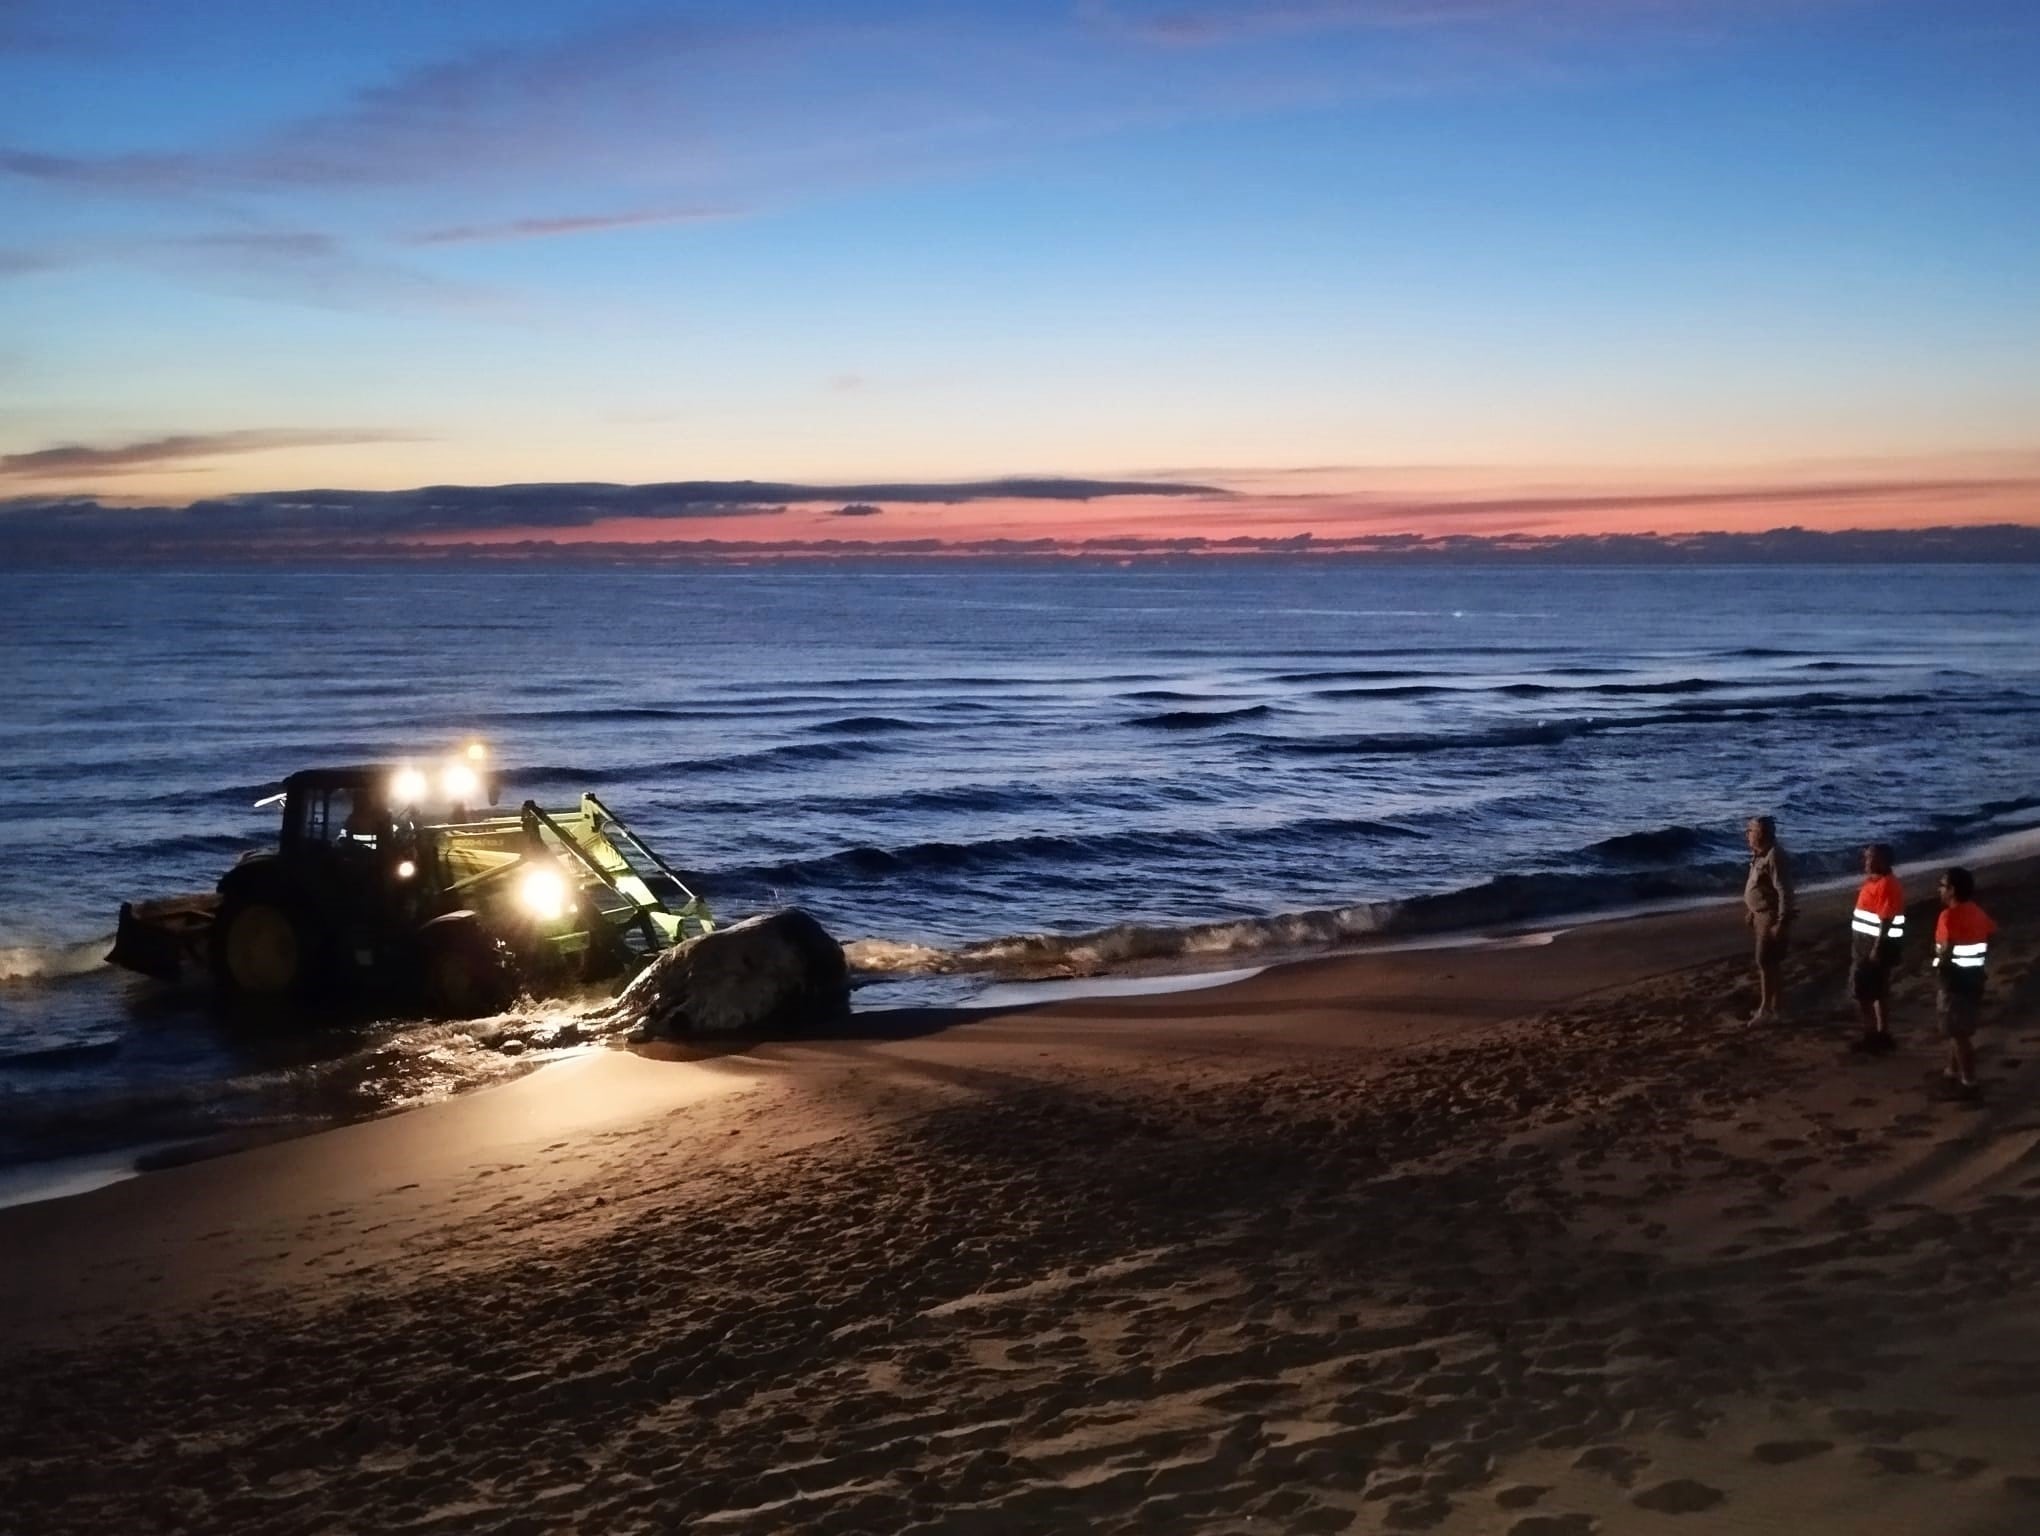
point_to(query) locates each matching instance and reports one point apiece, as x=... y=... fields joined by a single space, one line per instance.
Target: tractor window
x=358 y=819
x=306 y=820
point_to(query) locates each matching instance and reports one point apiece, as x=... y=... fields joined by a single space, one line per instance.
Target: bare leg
x=1965 y=1060
x=1768 y=987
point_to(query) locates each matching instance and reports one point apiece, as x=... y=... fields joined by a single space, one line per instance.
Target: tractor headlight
x=407 y=787
x=460 y=782
x=406 y=869
x=543 y=893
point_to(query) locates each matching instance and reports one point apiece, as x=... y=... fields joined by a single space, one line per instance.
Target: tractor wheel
x=468 y=973
x=260 y=949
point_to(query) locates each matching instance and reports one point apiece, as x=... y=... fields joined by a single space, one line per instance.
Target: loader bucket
x=159 y=938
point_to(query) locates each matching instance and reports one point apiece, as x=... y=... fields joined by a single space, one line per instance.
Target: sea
x=983 y=778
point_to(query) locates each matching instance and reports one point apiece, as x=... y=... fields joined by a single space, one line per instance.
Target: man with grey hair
x=1768 y=900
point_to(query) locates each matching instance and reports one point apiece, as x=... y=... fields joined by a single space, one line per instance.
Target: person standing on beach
x=1767 y=895
x=1876 y=931
x=1961 y=954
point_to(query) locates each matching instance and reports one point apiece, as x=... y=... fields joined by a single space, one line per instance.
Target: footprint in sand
x=1681 y=1496
x=1416 y=1514
x=2002 y=1379
x=1555 y=1525
x=1904 y=1463
x=1615 y=1461
x=1895 y=1425
x=1520 y=1495
x=1778 y=1453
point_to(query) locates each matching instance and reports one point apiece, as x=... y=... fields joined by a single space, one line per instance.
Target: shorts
x=1870 y=980
x=1960 y=1013
x=1770 y=946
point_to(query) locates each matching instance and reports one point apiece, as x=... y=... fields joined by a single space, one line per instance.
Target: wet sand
x=1535 y=1241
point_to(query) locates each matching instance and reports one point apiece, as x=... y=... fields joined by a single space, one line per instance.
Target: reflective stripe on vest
x=1867 y=922
x=1969 y=957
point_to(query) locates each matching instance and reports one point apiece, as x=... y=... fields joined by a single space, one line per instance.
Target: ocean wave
x=1655 y=845
x=1473 y=688
x=55 y=1058
x=1002 y=799
x=868 y=862
x=1675 y=685
x=1402 y=690
x=1505 y=901
x=1553 y=732
x=1671 y=861
x=1198 y=719
x=822 y=689
x=1992 y=810
x=790 y=755
x=221 y=845
x=867 y=725
x=601 y=714
x=1410 y=744
x=1347 y=675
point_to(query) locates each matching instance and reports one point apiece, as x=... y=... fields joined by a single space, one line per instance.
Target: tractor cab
x=388 y=879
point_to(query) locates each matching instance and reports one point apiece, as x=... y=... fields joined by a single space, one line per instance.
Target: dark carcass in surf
x=779 y=973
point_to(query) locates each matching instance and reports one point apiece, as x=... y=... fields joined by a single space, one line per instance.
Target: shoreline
x=1443 y=1239
x=61 y=1178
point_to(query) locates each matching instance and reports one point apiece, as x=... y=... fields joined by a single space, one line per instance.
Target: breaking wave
x=53 y=962
x=1505 y=901
x=1670 y=864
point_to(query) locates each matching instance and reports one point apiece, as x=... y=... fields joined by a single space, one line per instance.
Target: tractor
x=387 y=884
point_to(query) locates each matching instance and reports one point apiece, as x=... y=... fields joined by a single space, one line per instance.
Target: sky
x=1422 y=266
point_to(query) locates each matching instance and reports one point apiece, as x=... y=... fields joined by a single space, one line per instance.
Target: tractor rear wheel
x=468 y=973
x=260 y=949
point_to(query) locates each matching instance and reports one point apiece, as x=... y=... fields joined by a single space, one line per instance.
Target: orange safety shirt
x=1964 y=923
x=1962 y=940
x=1880 y=909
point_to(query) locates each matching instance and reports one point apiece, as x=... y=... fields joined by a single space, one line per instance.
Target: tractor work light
x=406 y=869
x=407 y=787
x=543 y=893
x=460 y=782
x=477 y=753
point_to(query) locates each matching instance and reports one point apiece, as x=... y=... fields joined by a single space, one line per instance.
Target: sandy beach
x=1536 y=1239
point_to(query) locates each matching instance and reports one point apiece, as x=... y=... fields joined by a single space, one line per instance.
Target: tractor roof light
x=476 y=753
x=542 y=892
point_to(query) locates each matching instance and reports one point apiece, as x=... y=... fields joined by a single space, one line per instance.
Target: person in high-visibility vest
x=1961 y=960
x=1876 y=932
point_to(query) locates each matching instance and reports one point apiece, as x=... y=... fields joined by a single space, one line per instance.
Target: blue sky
x=380 y=245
